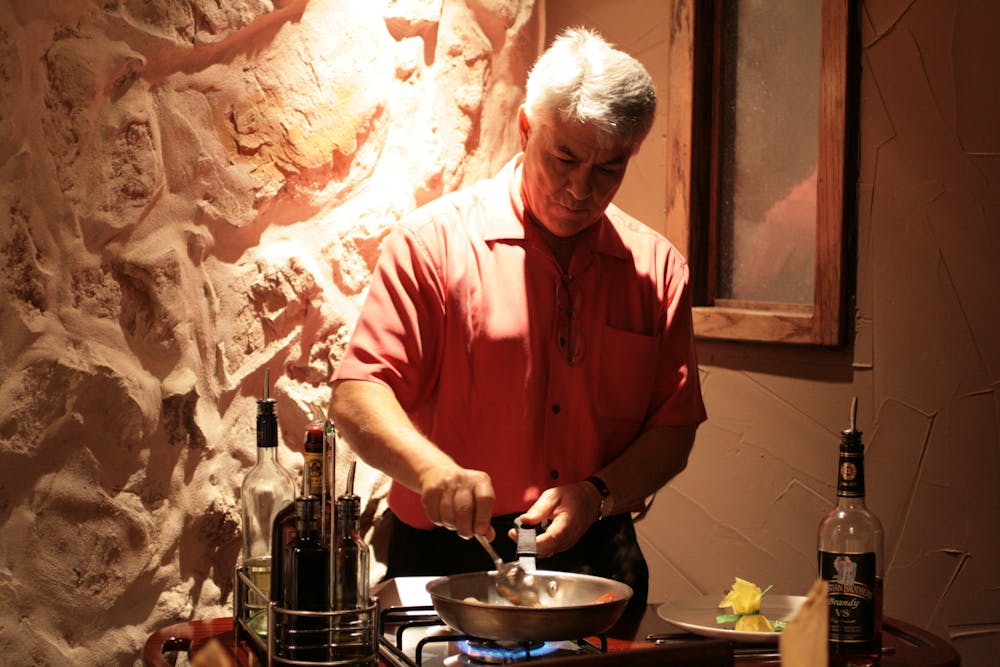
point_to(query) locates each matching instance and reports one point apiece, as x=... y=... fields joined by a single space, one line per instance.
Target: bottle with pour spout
x=266 y=490
x=850 y=548
x=350 y=578
x=351 y=557
x=304 y=575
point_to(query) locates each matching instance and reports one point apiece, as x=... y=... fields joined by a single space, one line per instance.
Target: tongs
x=513 y=582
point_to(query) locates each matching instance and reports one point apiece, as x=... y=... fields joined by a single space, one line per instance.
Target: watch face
x=848 y=471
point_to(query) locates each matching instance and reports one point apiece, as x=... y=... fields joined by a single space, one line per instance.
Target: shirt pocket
x=627 y=373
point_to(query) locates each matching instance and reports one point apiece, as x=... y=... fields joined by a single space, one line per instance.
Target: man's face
x=569 y=176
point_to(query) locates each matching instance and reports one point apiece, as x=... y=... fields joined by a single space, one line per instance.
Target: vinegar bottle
x=351 y=566
x=350 y=577
x=850 y=548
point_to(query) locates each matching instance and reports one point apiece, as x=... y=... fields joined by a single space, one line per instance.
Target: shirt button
x=556 y=408
x=554 y=474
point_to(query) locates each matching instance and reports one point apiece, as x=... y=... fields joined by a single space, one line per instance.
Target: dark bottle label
x=852 y=595
x=851 y=473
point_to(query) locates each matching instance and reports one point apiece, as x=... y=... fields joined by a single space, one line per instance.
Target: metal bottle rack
x=313 y=638
x=282 y=636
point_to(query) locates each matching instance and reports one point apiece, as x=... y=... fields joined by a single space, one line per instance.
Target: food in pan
x=602 y=599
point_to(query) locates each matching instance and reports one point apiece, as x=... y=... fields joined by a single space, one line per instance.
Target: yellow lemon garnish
x=753 y=623
x=743 y=597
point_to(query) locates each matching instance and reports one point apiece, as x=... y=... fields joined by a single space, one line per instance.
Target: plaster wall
x=924 y=360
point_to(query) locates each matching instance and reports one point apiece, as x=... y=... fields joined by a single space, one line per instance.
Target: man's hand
x=572 y=509
x=459 y=499
x=652 y=460
x=381 y=433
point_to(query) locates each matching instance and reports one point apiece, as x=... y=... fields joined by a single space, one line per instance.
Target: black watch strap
x=605 y=492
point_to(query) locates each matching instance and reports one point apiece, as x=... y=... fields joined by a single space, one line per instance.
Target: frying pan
x=573 y=606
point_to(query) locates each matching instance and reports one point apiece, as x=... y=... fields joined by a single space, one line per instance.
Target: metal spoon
x=512 y=582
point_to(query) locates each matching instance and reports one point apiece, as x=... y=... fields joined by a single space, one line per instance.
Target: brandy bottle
x=850 y=554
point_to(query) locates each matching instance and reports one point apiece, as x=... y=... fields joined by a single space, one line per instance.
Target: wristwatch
x=605 y=492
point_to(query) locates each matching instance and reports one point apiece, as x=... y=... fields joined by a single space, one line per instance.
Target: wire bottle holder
x=313 y=638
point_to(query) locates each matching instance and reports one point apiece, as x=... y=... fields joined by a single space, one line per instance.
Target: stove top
x=414 y=635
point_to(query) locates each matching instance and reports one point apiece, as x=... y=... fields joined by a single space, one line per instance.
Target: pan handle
x=527 y=546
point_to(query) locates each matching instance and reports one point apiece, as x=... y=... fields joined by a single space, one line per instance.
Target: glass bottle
x=351 y=558
x=283 y=533
x=305 y=585
x=320 y=445
x=314 y=483
x=313 y=454
x=266 y=489
x=850 y=548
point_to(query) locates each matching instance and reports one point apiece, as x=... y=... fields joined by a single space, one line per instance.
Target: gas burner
x=489 y=652
x=412 y=634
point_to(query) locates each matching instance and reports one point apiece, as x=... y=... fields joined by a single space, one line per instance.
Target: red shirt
x=510 y=365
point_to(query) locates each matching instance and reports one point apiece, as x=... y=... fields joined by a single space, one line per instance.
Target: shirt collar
x=509 y=224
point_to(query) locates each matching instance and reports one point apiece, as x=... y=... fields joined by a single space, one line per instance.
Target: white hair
x=583 y=78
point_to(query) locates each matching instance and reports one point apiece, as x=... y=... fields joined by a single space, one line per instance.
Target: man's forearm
x=655 y=458
x=380 y=432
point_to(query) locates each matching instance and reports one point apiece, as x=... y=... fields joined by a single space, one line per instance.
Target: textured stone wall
x=193 y=191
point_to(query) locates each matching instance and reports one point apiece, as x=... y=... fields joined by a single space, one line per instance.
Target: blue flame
x=507 y=652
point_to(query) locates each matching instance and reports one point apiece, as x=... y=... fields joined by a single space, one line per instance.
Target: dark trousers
x=609 y=549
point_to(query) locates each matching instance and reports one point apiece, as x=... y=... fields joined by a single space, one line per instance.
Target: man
x=526 y=348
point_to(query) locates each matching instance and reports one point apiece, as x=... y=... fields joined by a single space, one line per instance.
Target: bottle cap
x=267 y=416
x=267 y=423
x=314 y=438
x=851 y=437
x=851 y=475
x=307 y=508
x=349 y=504
x=349 y=507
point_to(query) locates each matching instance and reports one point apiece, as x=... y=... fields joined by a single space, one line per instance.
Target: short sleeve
x=398 y=336
x=677 y=395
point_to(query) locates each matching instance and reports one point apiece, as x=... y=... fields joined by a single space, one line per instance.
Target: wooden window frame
x=822 y=322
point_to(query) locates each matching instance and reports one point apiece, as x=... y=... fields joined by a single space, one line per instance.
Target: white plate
x=697 y=615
